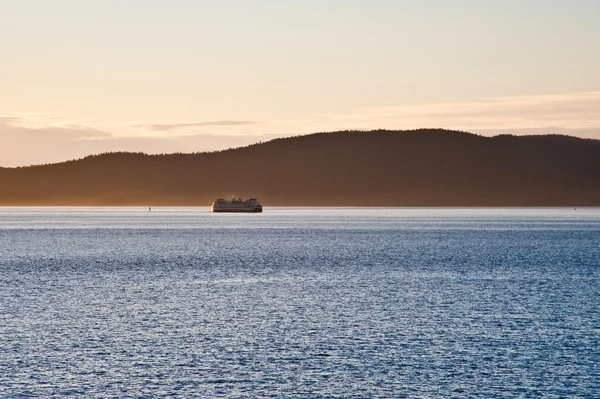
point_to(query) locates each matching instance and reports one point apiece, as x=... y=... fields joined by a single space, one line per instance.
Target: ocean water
x=300 y=302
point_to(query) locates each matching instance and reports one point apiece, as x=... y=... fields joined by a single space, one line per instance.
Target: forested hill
x=380 y=168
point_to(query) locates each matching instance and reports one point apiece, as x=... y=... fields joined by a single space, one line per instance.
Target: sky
x=86 y=77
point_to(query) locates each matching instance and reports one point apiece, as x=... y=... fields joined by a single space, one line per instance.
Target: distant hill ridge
x=426 y=167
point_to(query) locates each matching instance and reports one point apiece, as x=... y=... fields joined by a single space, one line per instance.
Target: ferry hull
x=259 y=210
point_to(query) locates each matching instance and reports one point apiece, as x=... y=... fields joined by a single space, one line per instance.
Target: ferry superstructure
x=236 y=205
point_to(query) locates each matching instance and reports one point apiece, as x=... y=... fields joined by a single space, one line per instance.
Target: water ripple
x=324 y=305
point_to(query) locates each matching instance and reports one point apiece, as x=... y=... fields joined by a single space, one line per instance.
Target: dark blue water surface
x=300 y=302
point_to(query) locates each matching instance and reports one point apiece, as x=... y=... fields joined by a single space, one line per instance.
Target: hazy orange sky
x=83 y=77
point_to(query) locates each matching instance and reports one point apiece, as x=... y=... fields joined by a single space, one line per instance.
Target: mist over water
x=300 y=302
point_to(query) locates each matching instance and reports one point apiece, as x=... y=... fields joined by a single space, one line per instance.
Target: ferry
x=236 y=205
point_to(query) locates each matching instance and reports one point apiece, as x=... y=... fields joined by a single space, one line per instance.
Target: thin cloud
x=165 y=127
x=21 y=146
x=40 y=124
x=8 y=131
x=568 y=111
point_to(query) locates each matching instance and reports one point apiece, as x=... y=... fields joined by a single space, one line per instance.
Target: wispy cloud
x=8 y=120
x=569 y=111
x=45 y=125
x=165 y=127
x=20 y=146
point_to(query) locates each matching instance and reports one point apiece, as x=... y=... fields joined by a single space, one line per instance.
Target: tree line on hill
x=426 y=167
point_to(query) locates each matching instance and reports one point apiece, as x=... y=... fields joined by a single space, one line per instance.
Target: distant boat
x=236 y=205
